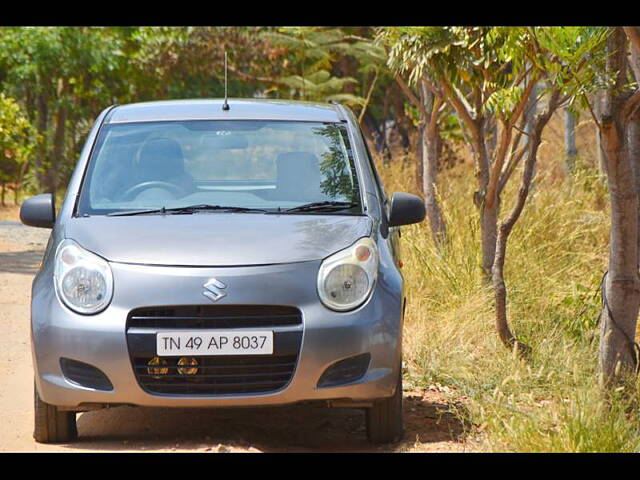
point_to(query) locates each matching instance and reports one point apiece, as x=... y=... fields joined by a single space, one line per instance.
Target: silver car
x=214 y=257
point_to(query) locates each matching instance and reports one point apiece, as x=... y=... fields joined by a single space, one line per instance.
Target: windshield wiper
x=185 y=210
x=328 y=206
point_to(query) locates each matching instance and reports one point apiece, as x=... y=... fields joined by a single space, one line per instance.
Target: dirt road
x=429 y=427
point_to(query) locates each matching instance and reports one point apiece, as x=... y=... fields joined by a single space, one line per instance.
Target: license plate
x=214 y=342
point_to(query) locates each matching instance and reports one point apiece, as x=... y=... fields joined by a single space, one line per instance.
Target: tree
x=487 y=76
x=482 y=74
x=490 y=78
x=558 y=55
x=633 y=135
x=333 y=64
x=17 y=141
x=621 y=289
x=311 y=51
x=63 y=75
x=605 y=76
x=597 y=67
x=188 y=62
x=506 y=226
x=430 y=109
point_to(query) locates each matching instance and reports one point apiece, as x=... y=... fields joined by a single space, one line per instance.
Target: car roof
x=211 y=109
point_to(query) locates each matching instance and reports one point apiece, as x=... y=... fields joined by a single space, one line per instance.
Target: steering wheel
x=173 y=188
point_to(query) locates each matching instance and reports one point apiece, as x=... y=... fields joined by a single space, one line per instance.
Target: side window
x=376 y=177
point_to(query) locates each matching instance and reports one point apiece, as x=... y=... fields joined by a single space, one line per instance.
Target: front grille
x=215 y=316
x=216 y=375
x=220 y=375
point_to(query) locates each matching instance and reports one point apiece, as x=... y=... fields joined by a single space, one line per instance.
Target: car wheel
x=384 y=418
x=51 y=424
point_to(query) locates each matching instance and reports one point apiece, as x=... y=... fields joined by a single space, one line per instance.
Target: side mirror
x=406 y=209
x=39 y=211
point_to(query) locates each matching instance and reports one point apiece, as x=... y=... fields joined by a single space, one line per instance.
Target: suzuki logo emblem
x=213 y=290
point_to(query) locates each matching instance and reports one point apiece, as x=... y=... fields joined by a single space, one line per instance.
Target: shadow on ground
x=26 y=263
x=292 y=428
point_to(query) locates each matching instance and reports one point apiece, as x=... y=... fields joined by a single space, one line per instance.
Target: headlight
x=347 y=277
x=82 y=279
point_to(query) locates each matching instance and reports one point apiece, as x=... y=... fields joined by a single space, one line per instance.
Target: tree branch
x=515 y=156
x=593 y=114
x=462 y=108
x=433 y=121
x=368 y=99
x=412 y=97
x=432 y=86
x=513 y=162
x=505 y=140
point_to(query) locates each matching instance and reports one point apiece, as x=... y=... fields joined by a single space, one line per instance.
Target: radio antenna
x=225 y=105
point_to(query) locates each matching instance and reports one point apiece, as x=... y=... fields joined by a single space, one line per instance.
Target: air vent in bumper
x=85 y=375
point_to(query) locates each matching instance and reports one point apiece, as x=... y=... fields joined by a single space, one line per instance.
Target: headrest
x=161 y=158
x=299 y=175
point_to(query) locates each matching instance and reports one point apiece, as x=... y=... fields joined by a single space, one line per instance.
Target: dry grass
x=556 y=256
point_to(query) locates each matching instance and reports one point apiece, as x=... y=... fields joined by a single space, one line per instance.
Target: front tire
x=384 y=418
x=51 y=424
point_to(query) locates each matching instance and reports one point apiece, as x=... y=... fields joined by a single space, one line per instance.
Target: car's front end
x=308 y=339
x=176 y=289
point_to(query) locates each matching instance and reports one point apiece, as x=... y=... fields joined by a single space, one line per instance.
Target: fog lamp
x=187 y=366
x=160 y=369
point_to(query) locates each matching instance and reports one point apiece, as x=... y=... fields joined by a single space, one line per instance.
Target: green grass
x=556 y=256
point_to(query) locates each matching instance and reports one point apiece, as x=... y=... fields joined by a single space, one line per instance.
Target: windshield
x=265 y=165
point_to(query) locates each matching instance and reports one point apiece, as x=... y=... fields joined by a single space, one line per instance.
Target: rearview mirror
x=406 y=209
x=39 y=211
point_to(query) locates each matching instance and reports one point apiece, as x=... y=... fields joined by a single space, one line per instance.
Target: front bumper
x=100 y=340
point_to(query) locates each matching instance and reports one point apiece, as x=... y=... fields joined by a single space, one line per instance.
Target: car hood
x=216 y=239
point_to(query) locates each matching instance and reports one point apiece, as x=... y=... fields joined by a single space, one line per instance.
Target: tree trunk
x=420 y=157
x=499 y=287
x=491 y=131
x=530 y=117
x=41 y=150
x=59 y=135
x=371 y=130
x=431 y=153
x=633 y=128
x=489 y=233
x=368 y=135
x=488 y=215
x=402 y=123
x=430 y=149
x=602 y=161
x=621 y=289
x=475 y=133
x=384 y=134
x=21 y=174
x=570 y=150
x=531 y=110
x=633 y=137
